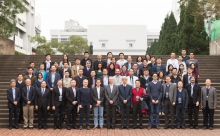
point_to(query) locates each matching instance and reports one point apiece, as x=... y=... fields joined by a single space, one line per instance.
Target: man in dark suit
x=194 y=93
x=20 y=84
x=129 y=64
x=104 y=78
x=146 y=79
x=186 y=77
x=79 y=79
x=145 y=66
x=92 y=79
x=208 y=104
x=99 y=60
x=84 y=100
x=181 y=105
x=64 y=69
x=28 y=96
x=111 y=95
x=47 y=63
x=87 y=69
x=86 y=58
x=31 y=64
x=13 y=96
x=98 y=95
x=158 y=66
x=169 y=101
x=125 y=93
x=71 y=96
x=42 y=104
x=58 y=103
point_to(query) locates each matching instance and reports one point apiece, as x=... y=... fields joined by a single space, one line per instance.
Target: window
x=130 y=45
x=103 y=45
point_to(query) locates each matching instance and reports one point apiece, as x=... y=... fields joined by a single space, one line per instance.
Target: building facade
x=28 y=24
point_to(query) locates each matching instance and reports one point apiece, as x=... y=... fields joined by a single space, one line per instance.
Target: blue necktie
x=28 y=90
x=42 y=92
x=207 y=91
x=124 y=89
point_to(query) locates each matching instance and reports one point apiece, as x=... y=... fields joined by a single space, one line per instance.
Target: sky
x=106 y=12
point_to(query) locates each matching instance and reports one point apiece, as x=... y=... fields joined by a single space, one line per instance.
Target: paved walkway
x=105 y=132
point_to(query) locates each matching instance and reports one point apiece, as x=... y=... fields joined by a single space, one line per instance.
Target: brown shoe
x=101 y=127
x=158 y=127
x=94 y=128
x=149 y=127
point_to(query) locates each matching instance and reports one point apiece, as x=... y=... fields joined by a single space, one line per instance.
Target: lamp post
x=91 y=48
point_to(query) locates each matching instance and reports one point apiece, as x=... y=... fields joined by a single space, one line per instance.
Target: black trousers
x=110 y=113
x=13 y=112
x=71 y=119
x=137 y=110
x=21 y=111
x=168 y=108
x=125 y=110
x=193 y=110
x=84 y=110
x=180 y=115
x=208 y=114
x=58 y=110
x=42 y=116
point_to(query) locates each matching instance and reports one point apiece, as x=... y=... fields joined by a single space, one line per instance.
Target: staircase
x=11 y=65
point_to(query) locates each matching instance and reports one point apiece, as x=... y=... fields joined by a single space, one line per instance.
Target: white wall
x=117 y=39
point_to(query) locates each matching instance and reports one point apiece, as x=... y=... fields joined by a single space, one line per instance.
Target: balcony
x=18 y=41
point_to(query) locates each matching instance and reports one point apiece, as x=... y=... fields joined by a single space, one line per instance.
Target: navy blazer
x=185 y=80
x=185 y=97
x=42 y=101
x=70 y=97
x=31 y=95
x=37 y=84
x=49 y=80
x=87 y=72
x=55 y=97
x=126 y=64
x=10 y=96
x=125 y=95
x=162 y=68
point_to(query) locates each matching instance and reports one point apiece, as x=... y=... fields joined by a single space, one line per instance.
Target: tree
x=8 y=11
x=75 y=46
x=44 y=49
x=38 y=40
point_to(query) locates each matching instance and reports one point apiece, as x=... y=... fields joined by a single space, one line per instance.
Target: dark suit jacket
x=185 y=80
x=141 y=71
x=111 y=96
x=126 y=64
x=143 y=81
x=45 y=65
x=102 y=80
x=70 y=97
x=78 y=81
x=31 y=95
x=49 y=80
x=125 y=95
x=90 y=82
x=42 y=101
x=83 y=62
x=55 y=97
x=162 y=68
x=104 y=64
x=61 y=72
x=10 y=96
x=95 y=96
x=196 y=93
x=33 y=78
x=185 y=97
x=86 y=72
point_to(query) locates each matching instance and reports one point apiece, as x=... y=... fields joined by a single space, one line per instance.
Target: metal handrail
x=217 y=44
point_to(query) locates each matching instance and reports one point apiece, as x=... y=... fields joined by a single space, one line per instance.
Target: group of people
x=142 y=87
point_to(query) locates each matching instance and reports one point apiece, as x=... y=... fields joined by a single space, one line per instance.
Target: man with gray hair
x=13 y=96
x=111 y=95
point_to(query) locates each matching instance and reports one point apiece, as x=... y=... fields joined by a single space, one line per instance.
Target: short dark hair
x=174 y=68
x=191 y=52
x=159 y=58
x=31 y=62
x=183 y=49
x=121 y=53
x=153 y=57
x=66 y=71
x=77 y=59
x=137 y=80
x=98 y=79
x=109 y=53
x=192 y=77
x=19 y=74
x=146 y=69
x=86 y=52
x=65 y=62
x=48 y=54
x=155 y=74
x=30 y=68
